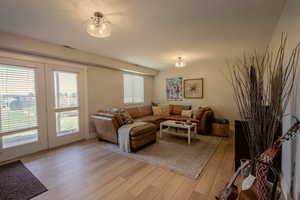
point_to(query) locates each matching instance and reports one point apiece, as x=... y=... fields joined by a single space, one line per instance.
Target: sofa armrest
x=103 y=114
x=205 y=124
x=106 y=127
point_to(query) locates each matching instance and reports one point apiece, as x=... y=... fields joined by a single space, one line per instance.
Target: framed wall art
x=193 y=88
x=174 y=89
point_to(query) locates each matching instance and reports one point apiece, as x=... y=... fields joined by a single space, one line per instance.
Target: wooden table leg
x=189 y=135
x=160 y=130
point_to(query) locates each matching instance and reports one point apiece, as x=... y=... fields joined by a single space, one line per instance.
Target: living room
x=108 y=99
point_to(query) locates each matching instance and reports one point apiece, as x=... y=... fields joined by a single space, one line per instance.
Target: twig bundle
x=262 y=88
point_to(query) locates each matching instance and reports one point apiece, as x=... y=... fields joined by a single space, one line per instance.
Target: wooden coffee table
x=173 y=127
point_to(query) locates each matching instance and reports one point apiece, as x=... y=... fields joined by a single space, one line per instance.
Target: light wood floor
x=82 y=171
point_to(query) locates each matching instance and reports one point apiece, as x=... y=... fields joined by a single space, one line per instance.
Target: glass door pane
x=18 y=109
x=66 y=89
x=67 y=122
x=20 y=138
x=66 y=102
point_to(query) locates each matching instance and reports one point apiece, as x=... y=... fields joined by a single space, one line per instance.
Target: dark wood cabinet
x=242 y=148
x=240 y=144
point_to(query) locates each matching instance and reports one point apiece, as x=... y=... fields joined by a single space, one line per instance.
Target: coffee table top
x=173 y=123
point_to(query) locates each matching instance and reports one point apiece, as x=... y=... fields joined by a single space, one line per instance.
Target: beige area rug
x=173 y=153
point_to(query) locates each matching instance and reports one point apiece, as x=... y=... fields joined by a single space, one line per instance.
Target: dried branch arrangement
x=262 y=88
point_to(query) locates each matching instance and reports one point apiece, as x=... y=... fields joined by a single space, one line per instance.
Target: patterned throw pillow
x=165 y=109
x=117 y=114
x=187 y=113
x=127 y=117
x=157 y=111
x=121 y=115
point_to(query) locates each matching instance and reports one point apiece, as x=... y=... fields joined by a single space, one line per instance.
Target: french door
x=65 y=105
x=22 y=114
x=41 y=106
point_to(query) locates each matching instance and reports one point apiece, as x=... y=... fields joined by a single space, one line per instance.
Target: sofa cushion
x=145 y=110
x=134 y=112
x=186 y=113
x=141 y=136
x=140 y=142
x=150 y=118
x=157 y=111
x=176 y=109
x=144 y=129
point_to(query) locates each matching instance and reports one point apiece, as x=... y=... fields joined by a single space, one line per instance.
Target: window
x=133 y=88
x=18 y=110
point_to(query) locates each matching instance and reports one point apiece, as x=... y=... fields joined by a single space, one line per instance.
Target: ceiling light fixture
x=180 y=63
x=98 y=26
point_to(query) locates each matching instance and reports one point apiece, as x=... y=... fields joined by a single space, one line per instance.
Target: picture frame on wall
x=174 y=89
x=193 y=88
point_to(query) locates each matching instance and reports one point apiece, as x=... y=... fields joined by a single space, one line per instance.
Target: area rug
x=174 y=153
x=18 y=183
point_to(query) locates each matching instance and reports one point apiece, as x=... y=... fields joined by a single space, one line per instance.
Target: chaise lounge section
x=107 y=126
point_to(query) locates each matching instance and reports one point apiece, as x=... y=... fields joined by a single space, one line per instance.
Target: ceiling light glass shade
x=180 y=63
x=98 y=26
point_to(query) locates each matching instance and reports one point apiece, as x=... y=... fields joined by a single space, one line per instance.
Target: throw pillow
x=165 y=109
x=157 y=111
x=154 y=104
x=186 y=113
x=127 y=117
x=117 y=113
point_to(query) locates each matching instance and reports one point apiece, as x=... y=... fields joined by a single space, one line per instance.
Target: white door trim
x=54 y=140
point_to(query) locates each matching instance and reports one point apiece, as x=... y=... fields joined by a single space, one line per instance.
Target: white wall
x=105 y=89
x=290 y=23
x=216 y=87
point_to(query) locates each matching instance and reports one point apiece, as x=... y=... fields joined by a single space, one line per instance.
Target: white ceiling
x=150 y=33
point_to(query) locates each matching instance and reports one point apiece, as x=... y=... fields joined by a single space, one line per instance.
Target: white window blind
x=133 y=88
x=17 y=99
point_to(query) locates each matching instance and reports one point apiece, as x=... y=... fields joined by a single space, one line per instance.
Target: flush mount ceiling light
x=180 y=63
x=98 y=26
